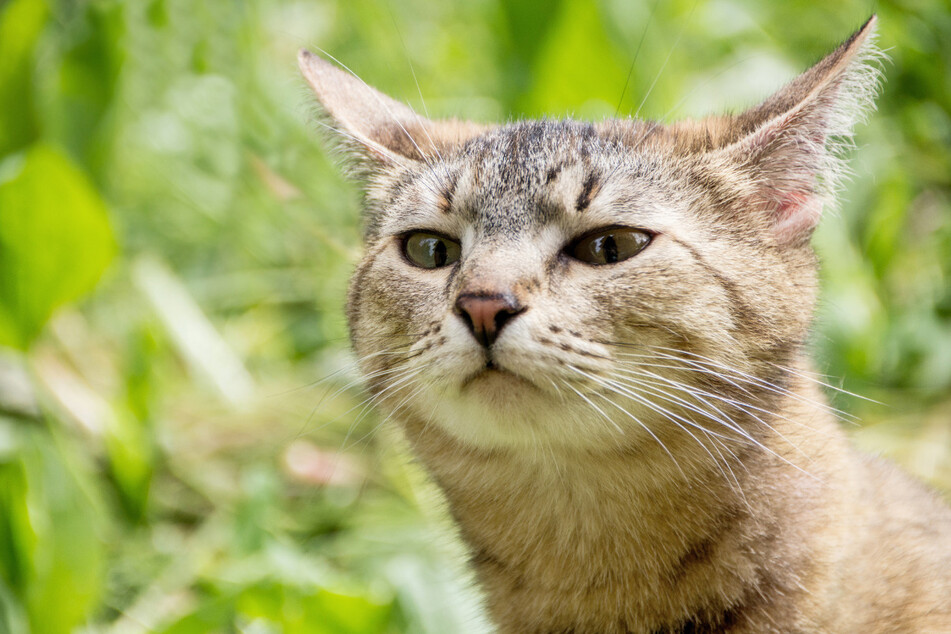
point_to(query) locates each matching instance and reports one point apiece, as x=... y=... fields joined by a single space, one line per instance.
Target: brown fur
x=642 y=448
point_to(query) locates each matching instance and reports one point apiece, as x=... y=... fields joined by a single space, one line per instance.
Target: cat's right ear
x=788 y=151
x=380 y=130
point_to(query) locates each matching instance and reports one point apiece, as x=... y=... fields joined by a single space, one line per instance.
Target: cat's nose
x=487 y=314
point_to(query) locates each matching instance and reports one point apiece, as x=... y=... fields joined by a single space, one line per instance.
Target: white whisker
x=671 y=416
x=702 y=395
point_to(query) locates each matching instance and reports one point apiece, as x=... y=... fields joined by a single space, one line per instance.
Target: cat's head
x=584 y=284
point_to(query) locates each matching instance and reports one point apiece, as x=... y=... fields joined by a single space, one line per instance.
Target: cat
x=592 y=335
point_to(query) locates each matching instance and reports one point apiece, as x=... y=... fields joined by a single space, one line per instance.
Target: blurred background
x=184 y=445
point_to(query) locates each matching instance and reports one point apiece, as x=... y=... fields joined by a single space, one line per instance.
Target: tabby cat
x=592 y=335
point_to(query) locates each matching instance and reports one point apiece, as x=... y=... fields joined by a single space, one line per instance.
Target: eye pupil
x=609 y=247
x=439 y=252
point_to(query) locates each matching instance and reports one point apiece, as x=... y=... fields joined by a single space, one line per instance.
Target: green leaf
x=17 y=537
x=577 y=62
x=21 y=22
x=75 y=92
x=295 y=610
x=50 y=550
x=55 y=240
x=336 y=612
x=67 y=516
x=131 y=456
x=12 y=615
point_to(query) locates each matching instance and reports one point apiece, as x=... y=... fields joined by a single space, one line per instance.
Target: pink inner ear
x=796 y=215
x=792 y=159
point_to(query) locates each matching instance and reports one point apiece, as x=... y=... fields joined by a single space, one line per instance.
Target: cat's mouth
x=492 y=371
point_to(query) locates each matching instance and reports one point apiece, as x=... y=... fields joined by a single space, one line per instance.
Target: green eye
x=429 y=250
x=608 y=246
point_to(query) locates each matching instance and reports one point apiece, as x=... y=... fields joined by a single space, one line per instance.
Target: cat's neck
x=623 y=537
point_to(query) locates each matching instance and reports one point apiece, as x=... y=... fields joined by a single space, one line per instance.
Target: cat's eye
x=430 y=250
x=608 y=246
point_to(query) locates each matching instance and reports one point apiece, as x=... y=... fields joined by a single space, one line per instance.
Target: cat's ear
x=788 y=150
x=381 y=130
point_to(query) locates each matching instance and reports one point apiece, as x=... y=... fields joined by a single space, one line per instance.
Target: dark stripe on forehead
x=588 y=132
x=512 y=169
x=587 y=191
x=447 y=194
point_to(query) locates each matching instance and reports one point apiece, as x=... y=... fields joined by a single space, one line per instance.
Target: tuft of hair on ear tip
x=792 y=147
x=851 y=100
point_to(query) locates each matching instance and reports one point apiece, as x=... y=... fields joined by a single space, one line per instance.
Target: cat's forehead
x=533 y=143
x=530 y=155
x=529 y=174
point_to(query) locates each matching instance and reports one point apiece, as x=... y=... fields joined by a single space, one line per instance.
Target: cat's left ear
x=788 y=150
x=378 y=129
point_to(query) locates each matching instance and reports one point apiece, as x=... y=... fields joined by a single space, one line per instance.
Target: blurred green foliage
x=187 y=449
x=48 y=257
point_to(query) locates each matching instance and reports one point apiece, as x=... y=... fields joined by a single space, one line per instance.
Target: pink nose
x=487 y=314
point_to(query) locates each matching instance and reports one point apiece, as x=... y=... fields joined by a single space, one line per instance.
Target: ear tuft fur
x=791 y=152
x=357 y=113
x=378 y=130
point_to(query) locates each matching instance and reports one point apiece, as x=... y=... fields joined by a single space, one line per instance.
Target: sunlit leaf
x=577 y=64
x=51 y=550
x=131 y=461
x=21 y=22
x=55 y=240
x=76 y=95
x=12 y=615
x=17 y=537
x=318 y=611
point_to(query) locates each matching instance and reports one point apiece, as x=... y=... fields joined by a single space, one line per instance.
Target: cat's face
x=518 y=289
x=568 y=284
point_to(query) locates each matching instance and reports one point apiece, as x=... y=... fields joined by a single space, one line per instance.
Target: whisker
x=716 y=369
x=637 y=52
x=612 y=385
x=672 y=417
x=344 y=447
x=680 y=35
x=707 y=81
x=351 y=365
x=361 y=380
x=598 y=409
x=690 y=367
x=368 y=405
x=636 y=420
x=725 y=420
x=419 y=389
x=365 y=404
x=344 y=133
x=675 y=399
x=742 y=432
x=753 y=379
x=412 y=70
x=808 y=377
x=744 y=406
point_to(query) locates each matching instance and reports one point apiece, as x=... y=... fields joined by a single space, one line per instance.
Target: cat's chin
x=496 y=408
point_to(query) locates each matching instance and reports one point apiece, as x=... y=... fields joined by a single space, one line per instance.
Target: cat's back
x=902 y=554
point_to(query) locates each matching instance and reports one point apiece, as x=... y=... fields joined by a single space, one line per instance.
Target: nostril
x=486 y=314
x=503 y=316
x=466 y=318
